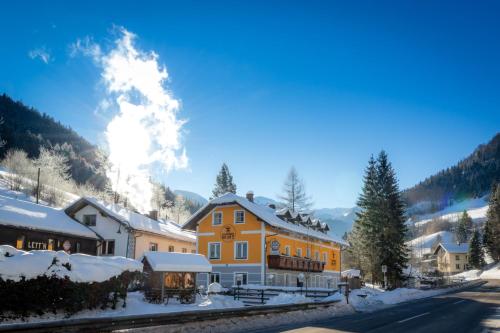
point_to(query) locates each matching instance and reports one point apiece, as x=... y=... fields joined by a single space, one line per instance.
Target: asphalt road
x=472 y=310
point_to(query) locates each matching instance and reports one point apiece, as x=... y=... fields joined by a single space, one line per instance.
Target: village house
x=255 y=244
x=127 y=233
x=452 y=258
x=29 y=226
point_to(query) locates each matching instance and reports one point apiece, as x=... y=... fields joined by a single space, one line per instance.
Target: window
x=243 y=277
x=241 y=250
x=308 y=252
x=108 y=247
x=78 y=247
x=20 y=242
x=184 y=250
x=239 y=216
x=89 y=220
x=50 y=245
x=457 y=266
x=457 y=257
x=287 y=250
x=299 y=252
x=153 y=246
x=325 y=257
x=316 y=255
x=171 y=248
x=213 y=250
x=214 y=278
x=217 y=218
x=193 y=251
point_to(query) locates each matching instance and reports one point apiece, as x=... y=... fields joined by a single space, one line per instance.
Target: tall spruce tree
x=295 y=197
x=476 y=257
x=224 y=182
x=463 y=227
x=491 y=235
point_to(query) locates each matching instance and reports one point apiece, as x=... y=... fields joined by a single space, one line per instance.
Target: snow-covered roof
x=177 y=262
x=15 y=264
x=350 y=273
x=265 y=213
x=135 y=220
x=454 y=247
x=25 y=214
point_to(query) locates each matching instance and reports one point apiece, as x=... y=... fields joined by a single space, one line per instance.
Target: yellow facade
x=143 y=241
x=251 y=231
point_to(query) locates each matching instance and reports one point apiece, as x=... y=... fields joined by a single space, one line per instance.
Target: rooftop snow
x=268 y=215
x=141 y=222
x=178 y=262
x=24 y=214
x=455 y=248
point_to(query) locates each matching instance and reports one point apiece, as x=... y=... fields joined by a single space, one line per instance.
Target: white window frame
x=105 y=245
x=316 y=255
x=236 y=250
x=235 y=213
x=236 y=273
x=298 y=252
x=308 y=252
x=213 y=274
x=287 y=250
x=220 y=250
x=155 y=245
x=221 y=218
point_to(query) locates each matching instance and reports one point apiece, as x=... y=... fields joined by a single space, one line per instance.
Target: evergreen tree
x=476 y=257
x=463 y=227
x=224 y=182
x=491 y=236
x=295 y=197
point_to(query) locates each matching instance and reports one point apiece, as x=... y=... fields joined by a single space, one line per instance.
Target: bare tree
x=295 y=196
x=21 y=170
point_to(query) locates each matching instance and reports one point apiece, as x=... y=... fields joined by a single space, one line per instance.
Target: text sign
x=384 y=268
x=227 y=234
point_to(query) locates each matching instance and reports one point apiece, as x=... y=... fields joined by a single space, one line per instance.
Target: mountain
x=340 y=220
x=472 y=177
x=27 y=129
x=191 y=196
x=264 y=201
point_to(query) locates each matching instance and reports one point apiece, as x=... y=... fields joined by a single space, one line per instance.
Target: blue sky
x=267 y=85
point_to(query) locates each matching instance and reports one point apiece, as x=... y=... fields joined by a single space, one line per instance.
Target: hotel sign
x=228 y=233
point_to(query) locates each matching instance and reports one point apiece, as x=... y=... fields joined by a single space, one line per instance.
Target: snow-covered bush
x=38 y=282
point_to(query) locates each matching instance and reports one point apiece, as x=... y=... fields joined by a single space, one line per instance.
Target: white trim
x=235 y=250
x=234 y=216
x=202 y=234
x=263 y=259
x=234 y=277
x=221 y=218
x=297 y=250
x=234 y=265
x=289 y=252
x=220 y=251
x=302 y=240
x=250 y=232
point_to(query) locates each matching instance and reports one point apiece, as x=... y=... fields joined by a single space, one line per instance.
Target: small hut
x=352 y=276
x=171 y=274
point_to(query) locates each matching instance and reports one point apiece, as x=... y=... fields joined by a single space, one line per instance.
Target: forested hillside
x=25 y=128
x=470 y=178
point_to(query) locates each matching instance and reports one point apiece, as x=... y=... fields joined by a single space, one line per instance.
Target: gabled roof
x=28 y=215
x=177 y=262
x=133 y=220
x=453 y=247
x=264 y=213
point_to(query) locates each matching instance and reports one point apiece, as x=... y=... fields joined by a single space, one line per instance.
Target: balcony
x=295 y=263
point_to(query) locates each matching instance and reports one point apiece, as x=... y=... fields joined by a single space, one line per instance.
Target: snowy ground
x=491 y=272
x=423 y=245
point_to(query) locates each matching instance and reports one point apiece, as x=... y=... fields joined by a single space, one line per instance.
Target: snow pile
x=284 y=298
x=215 y=288
x=492 y=273
x=335 y=297
x=15 y=264
x=468 y=275
x=220 y=302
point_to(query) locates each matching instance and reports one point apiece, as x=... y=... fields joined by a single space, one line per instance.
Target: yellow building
x=452 y=258
x=261 y=245
x=127 y=233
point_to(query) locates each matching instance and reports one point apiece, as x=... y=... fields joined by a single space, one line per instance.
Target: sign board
x=275 y=246
x=384 y=268
x=228 y=233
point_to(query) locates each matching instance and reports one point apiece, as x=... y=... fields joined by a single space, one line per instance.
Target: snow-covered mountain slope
x=192 y=196
x=265 y=201
x=476 y=208
x=423 y=245
x=340 y=220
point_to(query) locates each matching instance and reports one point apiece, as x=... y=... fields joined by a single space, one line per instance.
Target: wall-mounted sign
x=66 y=245
x=275 y=246
x=228 y=233
x=34 y=245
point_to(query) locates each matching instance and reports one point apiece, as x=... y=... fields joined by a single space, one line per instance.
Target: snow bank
x=334 y=297
x=15 y=264
x=284 y=298
x=492 y=273
x=350 y=273
x=471 y=275
x=215 y=288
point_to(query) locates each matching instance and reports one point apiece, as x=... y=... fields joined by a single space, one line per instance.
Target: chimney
x=153 y=215
x=250 y=196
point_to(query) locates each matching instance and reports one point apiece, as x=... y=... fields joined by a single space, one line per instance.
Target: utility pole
x=38 y=186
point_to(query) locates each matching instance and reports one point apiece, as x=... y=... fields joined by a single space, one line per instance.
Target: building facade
x=452 y=258
x=127 y=233
x=256 y=244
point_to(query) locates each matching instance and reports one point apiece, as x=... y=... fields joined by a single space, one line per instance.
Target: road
x=472 y=310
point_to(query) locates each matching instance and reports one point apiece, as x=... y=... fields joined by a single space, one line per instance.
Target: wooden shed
x=172 y=275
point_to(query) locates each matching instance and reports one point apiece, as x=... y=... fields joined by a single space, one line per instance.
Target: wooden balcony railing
x=294 y=263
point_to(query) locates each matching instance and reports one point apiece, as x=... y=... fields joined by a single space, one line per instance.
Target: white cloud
x=40 y=53
x=146 y=132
